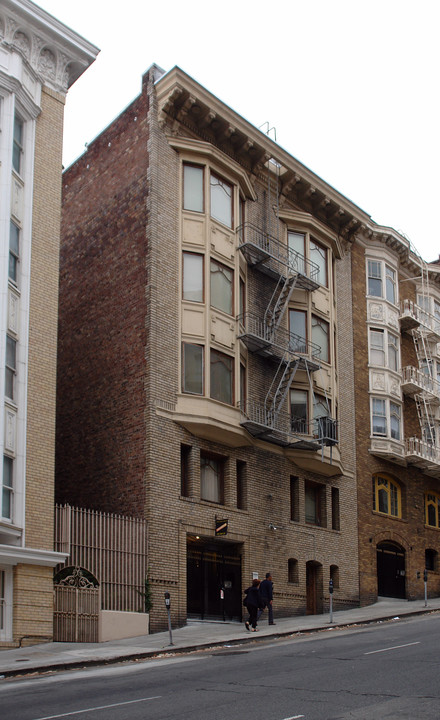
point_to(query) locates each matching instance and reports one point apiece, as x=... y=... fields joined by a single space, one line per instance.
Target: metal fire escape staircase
x=266 y=337
x=425 y=330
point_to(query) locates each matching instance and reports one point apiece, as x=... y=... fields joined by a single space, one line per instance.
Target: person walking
x=266 y=592
x=253 y=603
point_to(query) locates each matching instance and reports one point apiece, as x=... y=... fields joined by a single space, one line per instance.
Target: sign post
x=425 y=580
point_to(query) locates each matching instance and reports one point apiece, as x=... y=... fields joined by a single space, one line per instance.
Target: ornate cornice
x=55 y=54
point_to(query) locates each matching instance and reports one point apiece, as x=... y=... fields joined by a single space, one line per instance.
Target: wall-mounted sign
x=221 y=527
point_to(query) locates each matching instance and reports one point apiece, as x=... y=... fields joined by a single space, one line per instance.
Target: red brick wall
x=102 y=337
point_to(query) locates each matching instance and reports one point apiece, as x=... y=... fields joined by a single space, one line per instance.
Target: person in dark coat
x=266 y=592
x=253 y=603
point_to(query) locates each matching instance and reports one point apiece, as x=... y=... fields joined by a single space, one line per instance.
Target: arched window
x=387 y=496
x=432 y=509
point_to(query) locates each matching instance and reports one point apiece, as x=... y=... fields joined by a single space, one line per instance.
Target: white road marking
x=99 y=707
x=294 y=717
x=395 y=647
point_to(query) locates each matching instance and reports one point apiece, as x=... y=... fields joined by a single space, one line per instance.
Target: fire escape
x=286 y=352
x=421 y=382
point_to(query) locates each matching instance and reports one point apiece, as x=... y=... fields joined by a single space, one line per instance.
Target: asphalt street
x=384 y=671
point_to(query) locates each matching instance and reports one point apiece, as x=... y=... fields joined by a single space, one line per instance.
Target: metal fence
x=111 y=547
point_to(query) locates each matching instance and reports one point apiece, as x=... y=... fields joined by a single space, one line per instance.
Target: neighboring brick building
x=210 y=354
x=396 y=310
x=39 y=59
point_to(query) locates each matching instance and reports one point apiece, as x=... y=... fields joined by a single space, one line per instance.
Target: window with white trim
x=384 y=348
x=192 y=277
x=14 y=249
x=7 y=488
x=17 y=145
x=386 y=418
x=11 y=367
x=192 y=368
x=381 y=281
x=303 y=247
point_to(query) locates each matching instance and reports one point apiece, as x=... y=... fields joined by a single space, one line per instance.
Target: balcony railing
x=283 y=429
x=260 y=338
x=412 y=316
x=276 y=258
x=415 y=381
x=424 y=455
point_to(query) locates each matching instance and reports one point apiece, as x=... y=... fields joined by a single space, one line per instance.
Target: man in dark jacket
x=253 y=603
x=266 y=592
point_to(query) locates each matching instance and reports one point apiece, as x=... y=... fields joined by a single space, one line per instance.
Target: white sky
x=352 y=87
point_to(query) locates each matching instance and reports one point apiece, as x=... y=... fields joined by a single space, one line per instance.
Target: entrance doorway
x=213 y=579
x=390 y=570
x=314 y=601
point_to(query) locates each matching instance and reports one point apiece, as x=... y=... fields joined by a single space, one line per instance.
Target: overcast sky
x=351 y=87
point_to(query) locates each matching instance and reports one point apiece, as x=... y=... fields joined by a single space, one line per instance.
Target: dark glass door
x=213 y=580
x=390 y=570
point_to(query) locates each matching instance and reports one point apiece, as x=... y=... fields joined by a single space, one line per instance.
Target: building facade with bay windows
x=212 y=343
x=39 y=59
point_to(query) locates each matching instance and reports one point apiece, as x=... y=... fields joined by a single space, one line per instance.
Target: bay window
x=381 y=281
x=299 y=416
x=222 y=287
x=193 y=188
x=221 y=200
x=386 y=418
x=321 y=336
x=384 y=348
x=10 y=371
x=7 y=485
x=192 y=368
x=298 y=330
x=193 y=277
x=222 y=377
x=14 y=246
x=318 y=255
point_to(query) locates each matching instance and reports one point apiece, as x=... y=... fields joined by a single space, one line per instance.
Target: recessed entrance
x=213 y=579
x=390 y=570
x=314 y=603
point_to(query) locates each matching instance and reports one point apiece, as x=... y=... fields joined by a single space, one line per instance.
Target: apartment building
x=39 y=59
x=205 y=374
x=396 y=312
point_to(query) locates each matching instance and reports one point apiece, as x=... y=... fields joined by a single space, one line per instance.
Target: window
x=7 y=485
x=192 y=277
x=321 y=409
x=386 y=418
x=298 y=331
x=221 y=200
x=299 y=416
x=387 y=496
x=222 y=377
x=14 y=246
x=384 y=349
x=242 y=299
x=211 y=479
x=318 y=255
x=315 y=504
x=10 y=372
x=294 y=498
x=431 y=559
x=297 y=251
x=293 y=571
x=243 y=387
x=241 y=485
x=432 y=510
x=321 y=336
x=377 y=271
x=336 y=525
x=17 y=146
x=185 y=454
x=192 y=369
x=222 y=286
x=193 y=188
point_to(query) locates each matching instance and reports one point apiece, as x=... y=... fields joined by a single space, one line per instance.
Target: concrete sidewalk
x=195 y=635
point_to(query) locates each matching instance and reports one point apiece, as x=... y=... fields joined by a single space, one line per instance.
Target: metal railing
x=279 y=338
x=413 y=376
x=423 y=450
x=408 y=308
x=250 y=234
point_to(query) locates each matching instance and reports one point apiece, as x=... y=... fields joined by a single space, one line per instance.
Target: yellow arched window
x=432 y=509
x=387 y=496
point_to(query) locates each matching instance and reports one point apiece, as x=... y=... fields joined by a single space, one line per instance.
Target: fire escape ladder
x=280 y=386
x=426 y=419
x=279 y=302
